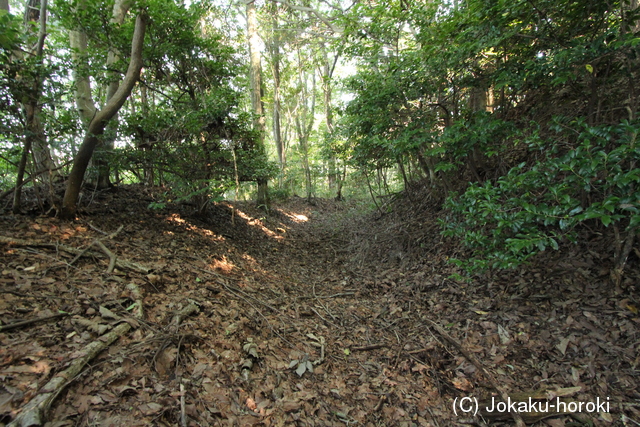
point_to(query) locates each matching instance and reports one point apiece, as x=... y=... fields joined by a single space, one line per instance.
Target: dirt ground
x=315 y=315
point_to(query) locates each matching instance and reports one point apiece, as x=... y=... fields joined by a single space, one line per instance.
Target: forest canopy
x=518 y=117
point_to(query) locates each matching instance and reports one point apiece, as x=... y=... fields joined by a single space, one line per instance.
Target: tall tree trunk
x=328 y=67
x=37 y=12
x=304 y=128
x=145 y=144
x=120 y=9
x=35 y=138
x=259 y=123
x=303 y=139
x=97 y=125
x=343 y=176
x=275 y=60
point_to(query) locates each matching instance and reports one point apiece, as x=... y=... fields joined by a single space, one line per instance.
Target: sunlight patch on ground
x=175 y=218
x=296 y=217
x=223 y=265
x=249 y=258
x=257 y=223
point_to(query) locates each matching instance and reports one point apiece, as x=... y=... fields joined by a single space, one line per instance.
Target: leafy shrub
x=585 y=173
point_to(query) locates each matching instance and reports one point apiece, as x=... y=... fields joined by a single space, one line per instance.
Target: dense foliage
x=522 y=114
x=183 y=126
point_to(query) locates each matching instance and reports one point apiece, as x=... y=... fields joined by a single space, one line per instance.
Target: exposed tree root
x=79 y=252
x=489 y=376
x=33 y=413
x=30 y=321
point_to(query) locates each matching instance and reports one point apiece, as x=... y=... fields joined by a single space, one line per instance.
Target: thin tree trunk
x=26 y=149
x=120 y=9
x=303 y=127
x=275 y=58
x=328 y=68
x=339 y=196
x=256 y=97
x=97 y=125
x=36 y=11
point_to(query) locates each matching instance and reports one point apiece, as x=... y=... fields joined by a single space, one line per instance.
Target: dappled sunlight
x=255 y=222
x=249 y=258
x=40 y=367
x=177 y=219
x=223 y=265
x=295 y=217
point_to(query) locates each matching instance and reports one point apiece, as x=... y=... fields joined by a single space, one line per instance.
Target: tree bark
x=120 y=9
x=328 y=68
x=35 y=138
x=259 y=123
x=84 y=100
x=99 y=121
x=304 y=128
x=275 y=58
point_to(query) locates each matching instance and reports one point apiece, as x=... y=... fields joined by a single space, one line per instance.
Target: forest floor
x=316 y=315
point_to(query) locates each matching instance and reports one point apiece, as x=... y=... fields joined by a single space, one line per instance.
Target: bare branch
x=325 y=20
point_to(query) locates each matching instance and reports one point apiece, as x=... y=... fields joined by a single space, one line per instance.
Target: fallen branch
x=186 y=311
x=471 y=358
x=70 y=249
x=112 y=257
x=234 y=291
x=30 y=321
x=183 y=412
x=369 y=347
x=33 y=413
x=343 y=294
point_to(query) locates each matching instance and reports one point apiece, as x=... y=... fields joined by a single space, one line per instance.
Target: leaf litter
x=314 y=315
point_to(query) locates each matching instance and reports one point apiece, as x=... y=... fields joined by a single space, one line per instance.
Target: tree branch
x=315 y=12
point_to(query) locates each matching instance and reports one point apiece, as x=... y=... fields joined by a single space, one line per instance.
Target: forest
x=319 y=212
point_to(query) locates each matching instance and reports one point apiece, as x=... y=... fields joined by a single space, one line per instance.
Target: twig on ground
x=183 y=412
x=471 y=358
x=369 y=347
x=381 y=401
x=33 y=413
x=70 y=249
x=112 y=257
x=30 y=321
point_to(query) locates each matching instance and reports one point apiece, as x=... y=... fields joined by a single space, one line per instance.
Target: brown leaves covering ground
x=311 y=283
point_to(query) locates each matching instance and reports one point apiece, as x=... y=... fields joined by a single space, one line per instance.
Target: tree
x=101 y=118
x=27 y=90
x=255 y=74
x=304 y=115
x=274 y=46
